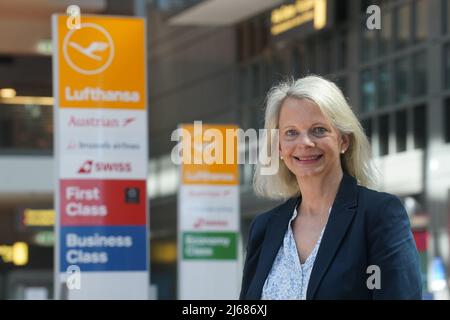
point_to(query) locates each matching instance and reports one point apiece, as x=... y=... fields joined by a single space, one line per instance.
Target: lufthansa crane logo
x=88 y=50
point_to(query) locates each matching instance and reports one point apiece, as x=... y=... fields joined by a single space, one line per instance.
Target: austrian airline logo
x=88 y=50
x=89 y=166
x=96 y=122
x=128 y=121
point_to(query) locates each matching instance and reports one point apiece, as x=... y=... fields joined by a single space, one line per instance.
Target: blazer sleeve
x=253 y=248
x=392 y=248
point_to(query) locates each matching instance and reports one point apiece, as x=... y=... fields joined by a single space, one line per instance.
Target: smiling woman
x=303 y=124
x=332 y=232
x=329 y=108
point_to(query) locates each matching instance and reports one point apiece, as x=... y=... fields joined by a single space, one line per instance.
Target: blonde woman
x=334 y=238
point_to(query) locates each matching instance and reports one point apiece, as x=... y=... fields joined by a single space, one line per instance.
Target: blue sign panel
x=104 y=248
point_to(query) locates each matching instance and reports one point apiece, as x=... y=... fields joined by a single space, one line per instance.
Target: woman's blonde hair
x=329 y=98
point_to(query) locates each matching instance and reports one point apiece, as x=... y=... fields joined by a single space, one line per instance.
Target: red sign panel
x=421 y=238
x=102 y=202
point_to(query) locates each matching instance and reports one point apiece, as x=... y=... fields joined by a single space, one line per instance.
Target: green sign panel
x=44 y=238
x=210 y=245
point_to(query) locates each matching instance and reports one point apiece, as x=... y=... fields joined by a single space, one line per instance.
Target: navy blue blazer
x=365 y=227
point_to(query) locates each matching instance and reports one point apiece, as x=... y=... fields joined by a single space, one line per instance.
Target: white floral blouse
x=288 y=279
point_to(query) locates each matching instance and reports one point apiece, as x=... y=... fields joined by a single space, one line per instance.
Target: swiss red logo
x=89 y=166
x=86 y=167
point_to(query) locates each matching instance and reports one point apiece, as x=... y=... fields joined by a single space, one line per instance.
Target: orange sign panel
x=101 y=64
x=209 y=155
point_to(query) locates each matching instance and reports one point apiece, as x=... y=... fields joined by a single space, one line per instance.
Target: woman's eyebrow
x=319 y=123
x=288 y=126
x=291 y=125
x=295 y=126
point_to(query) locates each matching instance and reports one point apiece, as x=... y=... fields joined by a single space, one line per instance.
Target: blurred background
x=214 y=60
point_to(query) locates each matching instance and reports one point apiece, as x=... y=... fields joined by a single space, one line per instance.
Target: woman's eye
x=290 y=133
x=319 y=131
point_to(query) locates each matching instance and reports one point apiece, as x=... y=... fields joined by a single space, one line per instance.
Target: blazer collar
x=341 y=216
x=339 y=220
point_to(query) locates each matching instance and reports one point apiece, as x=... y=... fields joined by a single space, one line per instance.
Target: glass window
x=277 y=70
x=419 y=127
x=401 y=80
x=26 y=127
x=243 y=92
x=421 y=20
x=6 y=138
x=445 y=16
x=400 y=130
x=447 y=120
x=402 y=16
x=419 y=77
x=297 y=63
x=244 y=42
x=367 y=42
x=255 y=80
x=255 y=38
x=341 y=82
x=341 y=52
x=326 y=51
x=172 y=5
x=240 y=43
x=364 y=4
x=260 y=35
x=384 y=82
x=367 y=3
x=267 y=75
x=386 y=32
x=341 y=11
x=367 y=90
x=447 y=65
x=383 y=126
x=367 y=126
x=312 y=57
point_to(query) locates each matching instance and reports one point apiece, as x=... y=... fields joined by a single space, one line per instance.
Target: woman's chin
x=308 y=173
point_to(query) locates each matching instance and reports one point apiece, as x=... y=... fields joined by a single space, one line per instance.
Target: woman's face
x=309 y=143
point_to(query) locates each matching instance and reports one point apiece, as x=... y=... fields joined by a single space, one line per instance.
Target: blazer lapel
x=273 y=238
x=339 y=220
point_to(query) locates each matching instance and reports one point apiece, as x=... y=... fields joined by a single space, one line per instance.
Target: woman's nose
x=305 y=140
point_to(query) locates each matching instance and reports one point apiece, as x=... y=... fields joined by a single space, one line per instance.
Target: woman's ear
x=345 y=142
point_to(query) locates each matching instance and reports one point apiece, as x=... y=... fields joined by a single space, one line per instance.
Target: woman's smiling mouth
x=308 y=159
